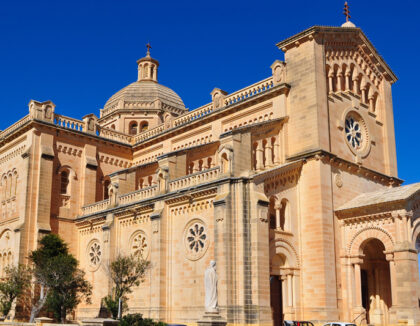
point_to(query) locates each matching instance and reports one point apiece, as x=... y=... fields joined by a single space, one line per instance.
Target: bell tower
x=147 y=67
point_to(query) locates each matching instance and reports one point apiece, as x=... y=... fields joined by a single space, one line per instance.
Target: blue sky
x=78 y=53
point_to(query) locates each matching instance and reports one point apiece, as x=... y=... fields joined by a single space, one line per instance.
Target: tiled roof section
x=146 y=91
x=382 y=196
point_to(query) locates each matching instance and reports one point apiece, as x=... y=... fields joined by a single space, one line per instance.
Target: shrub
x=138 y=320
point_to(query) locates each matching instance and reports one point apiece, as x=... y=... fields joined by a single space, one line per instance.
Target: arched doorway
x=276 y=289
x=284 y=281
x=375 y=282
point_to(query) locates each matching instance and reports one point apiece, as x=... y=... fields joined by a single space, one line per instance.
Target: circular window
x=356 y=133
x=94 y=254
x=139 y=246
x=195 y=239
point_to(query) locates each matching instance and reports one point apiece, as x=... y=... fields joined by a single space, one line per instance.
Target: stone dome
x=146 y=91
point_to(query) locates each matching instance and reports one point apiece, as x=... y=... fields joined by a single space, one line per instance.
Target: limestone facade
x=289 y=184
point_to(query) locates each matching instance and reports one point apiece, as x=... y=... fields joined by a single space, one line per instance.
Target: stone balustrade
x=69 y=123
x=249 y=91
x=138 y=195
x=194 y=115
x=115 y=135
x=149 y=133
x=15 y=126
x=96 y=207
x=194 y=179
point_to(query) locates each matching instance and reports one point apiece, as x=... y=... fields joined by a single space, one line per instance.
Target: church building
x=290 y=185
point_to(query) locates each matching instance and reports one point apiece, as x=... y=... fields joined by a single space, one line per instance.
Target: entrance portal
x=276 y=300
x=376 y=283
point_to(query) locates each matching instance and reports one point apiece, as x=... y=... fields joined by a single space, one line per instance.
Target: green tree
x=62 y=283
x=16 y=281
x=125 y=272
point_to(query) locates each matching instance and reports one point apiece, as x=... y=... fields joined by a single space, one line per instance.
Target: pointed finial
x=346 y=11
x=148 y=46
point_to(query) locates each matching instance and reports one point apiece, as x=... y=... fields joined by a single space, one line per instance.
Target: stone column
x=259 y=156
x=330 y=80
x=339 y=79
x=268 y=154
x=290 y=289
x=348 y=76
x=390 y=259
x=277 y=148
x=357 y=306
x=277 y=208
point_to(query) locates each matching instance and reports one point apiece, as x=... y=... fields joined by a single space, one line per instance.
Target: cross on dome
x=346 y=13
x=148 y=46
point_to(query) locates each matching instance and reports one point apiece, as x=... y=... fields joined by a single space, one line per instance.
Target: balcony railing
x=138 y=195
x=69 y=123
x=249 y=91
x=96 y=207
x=194 y=179
x=15 y=126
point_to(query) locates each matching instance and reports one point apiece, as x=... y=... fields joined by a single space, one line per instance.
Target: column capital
x=358 y=260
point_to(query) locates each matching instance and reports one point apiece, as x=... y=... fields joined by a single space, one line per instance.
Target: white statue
x=210 y=284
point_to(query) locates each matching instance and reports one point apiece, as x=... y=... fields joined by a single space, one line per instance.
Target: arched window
x=285 y=214
x=5 y=187
x=141 y=183
x=209 y=163
x=144 y=126
x=133 y=128
x=150 y=180
x=14 y=184
x=106 y=185
x=9 y=185
x=64 y=182
x=272 y=213
x=200 y=165
x=113 y=126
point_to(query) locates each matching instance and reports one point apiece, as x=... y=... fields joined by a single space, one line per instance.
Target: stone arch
x=133 y=127
x=416 y=230
x=355 y=247
x=285 y=248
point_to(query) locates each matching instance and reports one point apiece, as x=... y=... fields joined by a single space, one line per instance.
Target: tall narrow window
x=64 y=182
x=106 y=185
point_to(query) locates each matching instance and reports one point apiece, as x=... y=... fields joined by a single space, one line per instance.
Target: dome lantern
x=147 y=67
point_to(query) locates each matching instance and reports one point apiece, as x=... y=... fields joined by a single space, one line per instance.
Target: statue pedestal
x=212 y=319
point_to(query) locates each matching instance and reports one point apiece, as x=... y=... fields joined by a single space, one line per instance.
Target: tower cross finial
x=148 y=46
x=346 y=11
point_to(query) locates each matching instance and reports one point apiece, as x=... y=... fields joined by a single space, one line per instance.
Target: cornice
x=314 y=31
x=342 y=164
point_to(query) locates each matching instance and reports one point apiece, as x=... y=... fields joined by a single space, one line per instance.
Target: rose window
x=353 y=132
x=196 y=240
x=139 y=245
x=197 y=237
x=95 y=254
